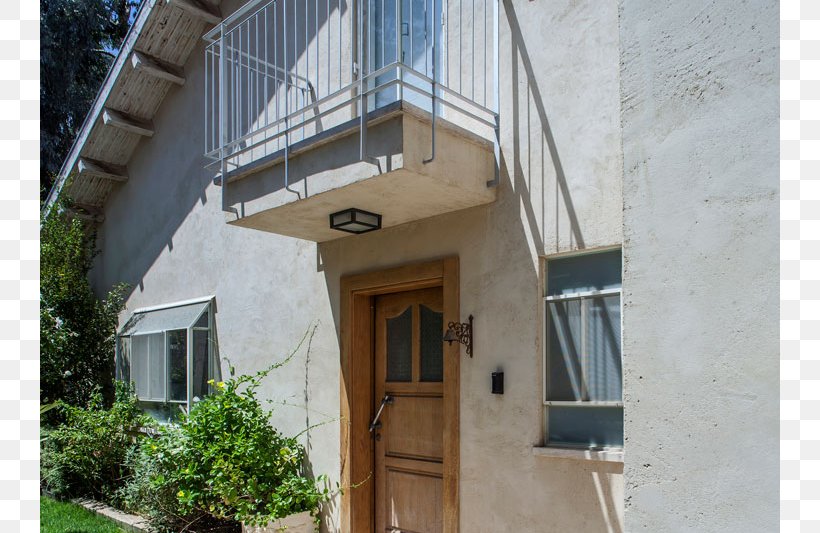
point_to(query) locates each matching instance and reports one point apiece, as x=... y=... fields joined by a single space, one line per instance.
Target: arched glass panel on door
x=431 y=345
x=400 y=347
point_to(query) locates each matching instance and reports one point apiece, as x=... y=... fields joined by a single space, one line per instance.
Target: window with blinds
x=583 y=377
x=167 y=353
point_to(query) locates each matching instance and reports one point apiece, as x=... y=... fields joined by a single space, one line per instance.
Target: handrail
x=315 y=117
x=280 y=71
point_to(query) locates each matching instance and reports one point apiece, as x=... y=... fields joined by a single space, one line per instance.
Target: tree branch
x=106 y=52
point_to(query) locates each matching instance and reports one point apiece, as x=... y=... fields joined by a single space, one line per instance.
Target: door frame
x=356 y=385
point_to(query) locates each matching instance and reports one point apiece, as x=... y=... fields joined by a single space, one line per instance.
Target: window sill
x=580 y=454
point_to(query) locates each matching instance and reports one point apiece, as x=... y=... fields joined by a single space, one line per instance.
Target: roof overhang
x=148 y=66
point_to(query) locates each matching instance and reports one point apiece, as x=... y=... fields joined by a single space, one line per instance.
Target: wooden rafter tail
x=156 y=68
x=120 y=120
x=98 y=169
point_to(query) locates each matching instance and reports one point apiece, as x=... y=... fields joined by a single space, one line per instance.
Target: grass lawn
x=65 y=517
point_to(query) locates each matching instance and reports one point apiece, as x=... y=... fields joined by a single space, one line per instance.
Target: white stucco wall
x=700 y=131
x=560 y=190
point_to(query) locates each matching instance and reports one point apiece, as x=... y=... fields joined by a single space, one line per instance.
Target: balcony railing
x=282 y=71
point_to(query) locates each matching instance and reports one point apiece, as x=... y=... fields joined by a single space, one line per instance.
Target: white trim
x=581 y=403
x=167 y=356
x=130 y=366
x=212 y=368
x=608 y=455
x=153 y=332
x=584 y=294
x=156 y=331
x=189 y=366
x=542 y=337
x=192 y=301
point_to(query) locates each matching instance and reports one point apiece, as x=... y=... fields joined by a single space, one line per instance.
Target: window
x=168 y=353
x=583 y=384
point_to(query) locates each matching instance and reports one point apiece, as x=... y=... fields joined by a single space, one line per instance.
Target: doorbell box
x=498 y=382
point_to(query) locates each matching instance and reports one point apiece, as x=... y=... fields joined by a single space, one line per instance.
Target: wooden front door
x=409 y=383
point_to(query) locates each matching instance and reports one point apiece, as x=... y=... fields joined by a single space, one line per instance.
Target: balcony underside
x=326 y=175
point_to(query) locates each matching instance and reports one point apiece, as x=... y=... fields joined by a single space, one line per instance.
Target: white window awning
x=166 y=319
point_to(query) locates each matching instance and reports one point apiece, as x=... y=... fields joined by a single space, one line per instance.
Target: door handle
x=375 y=423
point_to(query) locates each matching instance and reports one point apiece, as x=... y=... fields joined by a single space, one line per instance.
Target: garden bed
x=219 y=466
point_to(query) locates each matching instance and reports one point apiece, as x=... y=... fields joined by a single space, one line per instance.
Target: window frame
x=189 y=359
x=581 y=295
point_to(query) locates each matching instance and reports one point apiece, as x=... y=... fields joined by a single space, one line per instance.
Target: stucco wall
x=560 y=190
x=700 y=131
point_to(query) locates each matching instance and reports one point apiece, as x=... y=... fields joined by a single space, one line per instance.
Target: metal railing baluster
x=484 y=48
x=362 y=89
x=262 y=85
x=411 y=32
x=265 y=98
x=287 y=92
x=307 y=40
x=433 y=92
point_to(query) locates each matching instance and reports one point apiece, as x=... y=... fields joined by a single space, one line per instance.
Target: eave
x=149 y=65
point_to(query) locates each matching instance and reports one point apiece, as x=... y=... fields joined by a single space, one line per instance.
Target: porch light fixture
x=355 y=221
x=461 y=332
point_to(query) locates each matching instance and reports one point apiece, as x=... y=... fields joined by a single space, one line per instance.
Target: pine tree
x=78 y=42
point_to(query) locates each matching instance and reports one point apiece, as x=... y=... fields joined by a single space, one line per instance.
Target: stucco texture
x=560 y=190
x=700 y=344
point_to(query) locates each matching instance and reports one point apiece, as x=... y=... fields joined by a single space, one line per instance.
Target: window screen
x=123 y=364
x=178 y=365
x=140 y=365
x=148 y=366
x=156 y=366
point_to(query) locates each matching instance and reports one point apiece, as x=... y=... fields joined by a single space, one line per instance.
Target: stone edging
x=128 y=522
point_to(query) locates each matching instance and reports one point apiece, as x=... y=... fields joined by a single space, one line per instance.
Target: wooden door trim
x=356 y=387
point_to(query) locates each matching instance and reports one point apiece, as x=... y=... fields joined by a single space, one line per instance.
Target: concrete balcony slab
x=326 y=175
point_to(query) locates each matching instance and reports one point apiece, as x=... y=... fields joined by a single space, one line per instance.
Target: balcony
x=316 y=106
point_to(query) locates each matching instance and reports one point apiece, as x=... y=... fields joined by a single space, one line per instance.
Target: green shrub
x=85 y=456
x=77 y=330
x=152 y=493
x=225 y=459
